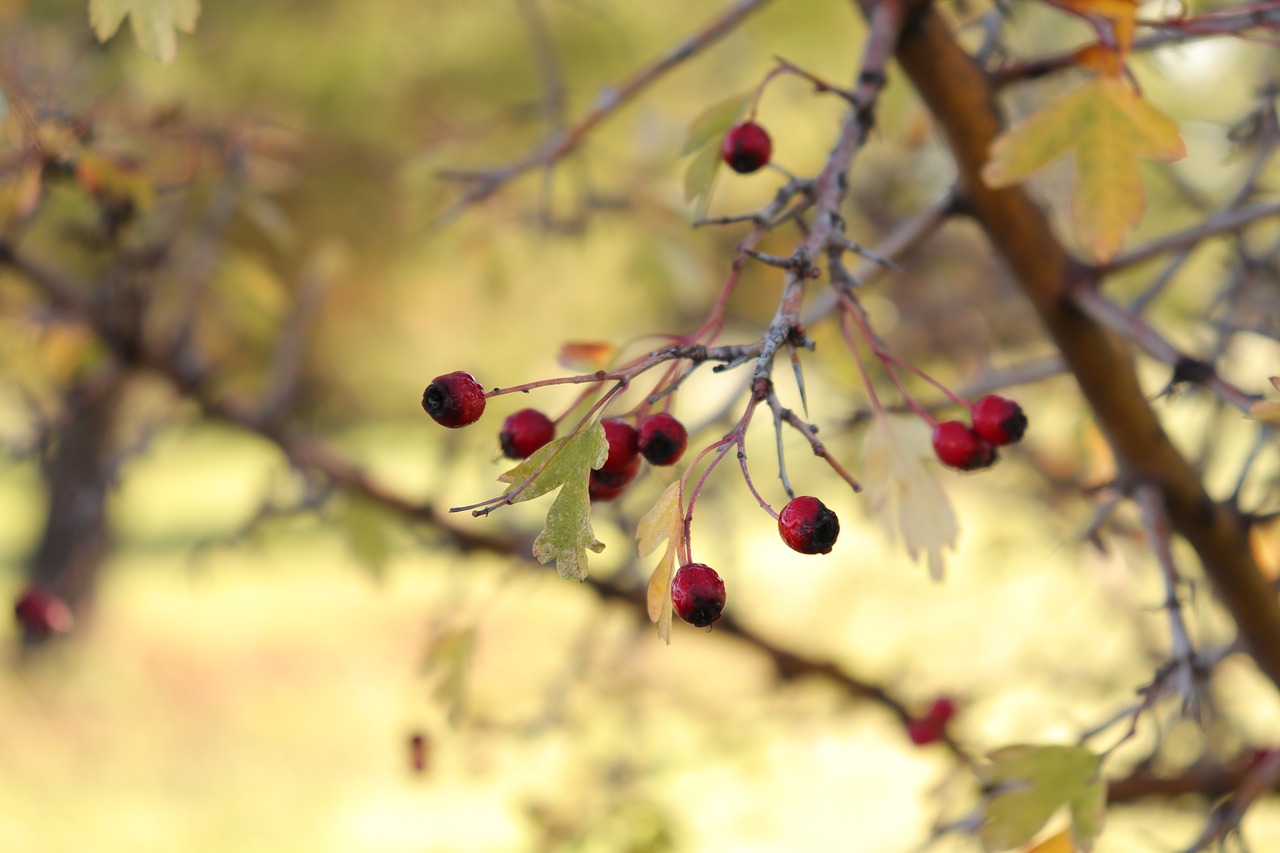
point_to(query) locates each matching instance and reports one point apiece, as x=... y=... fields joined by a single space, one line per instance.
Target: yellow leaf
x=1060 y=843
x=1109 y=127
x=664 y=522
x=900 y=490
x=1267 y=411
x=153 y=22
x=1121 y=14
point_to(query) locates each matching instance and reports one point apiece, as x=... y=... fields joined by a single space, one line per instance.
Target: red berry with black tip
x=999 y=420
x=454 y=400
x=608 y=485
x=959 y=447
x=746 y=148
x=41 y=613
x=697 y=594
x=624 y=444
x=662 y=439
x=525 y=431
x=808 y=526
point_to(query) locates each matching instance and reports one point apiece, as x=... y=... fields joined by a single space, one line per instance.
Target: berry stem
x=820 y=449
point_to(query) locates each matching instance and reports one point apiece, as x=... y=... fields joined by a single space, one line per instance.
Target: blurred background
x=263 y=661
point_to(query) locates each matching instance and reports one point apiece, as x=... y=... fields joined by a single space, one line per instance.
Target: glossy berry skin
x=454 y=400
x=999 y=420
x=932 y=727
x=697 y=594
x=746 y=148
x=41 y=613
x=608 y=485
x=959 y=447
x=525 y=431
x=663 y=439
x=808 y=526
x=624 y=444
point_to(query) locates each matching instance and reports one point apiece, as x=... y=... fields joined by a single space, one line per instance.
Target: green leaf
x=663 y=523
x=153 y=22
x=1025 y=785
x=565 y=465
x=447 y=662
x=714 y=122
x=700 y=179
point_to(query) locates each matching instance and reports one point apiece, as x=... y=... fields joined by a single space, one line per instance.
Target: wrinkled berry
x=746 y=148
x=662 y=439
x=608 y=485
x=999 y=420
x=624 y=444
x=454 y=400
x=697 y=594
x=808 y=526
x=525 y=431
x=41 y=613
x=958 y=446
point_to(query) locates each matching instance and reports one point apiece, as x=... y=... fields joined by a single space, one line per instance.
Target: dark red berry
x=697 y=593
x=524 y=432
x=808 y=526
x=624 y=444
x=41 y=613
x=746 y=147
x=932 y=726
x=454 y=400
x=419 y=752
x=999 y=420
x=662 y=439
x=958 y=446
x=607 y=485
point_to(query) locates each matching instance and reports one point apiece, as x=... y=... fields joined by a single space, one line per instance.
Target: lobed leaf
x=1026 y=785
x=153 y=22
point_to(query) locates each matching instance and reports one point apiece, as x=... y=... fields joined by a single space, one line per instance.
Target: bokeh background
x=239 y=683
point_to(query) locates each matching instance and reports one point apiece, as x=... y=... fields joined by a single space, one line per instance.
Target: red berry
x=808 y=526
x=942 y=710
x=662 y=439
x=41 y=613
x=524 y=432
x=607 y=485
x=454 y=400
x=999 y=420
x=960 y=447
x=932 y=726
x=746 y=147
x=697 y=593
x=624 y=444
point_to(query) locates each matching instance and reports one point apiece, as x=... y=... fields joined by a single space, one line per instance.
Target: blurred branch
x=484 y=183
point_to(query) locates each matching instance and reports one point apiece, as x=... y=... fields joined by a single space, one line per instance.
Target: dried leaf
x=1110 y=128
x=586 y=355
x=901 y=491
x=1060 y=843
x=664 y=522
x=1267 y=411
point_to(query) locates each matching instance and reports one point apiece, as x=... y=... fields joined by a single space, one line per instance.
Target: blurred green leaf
x=714 y=122
x=700 y=179
x=368 y=534
x=567 y=536
x=447 y=661
x=153 y=22
x=1025 y=785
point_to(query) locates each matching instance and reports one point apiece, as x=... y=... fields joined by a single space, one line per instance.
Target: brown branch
x=963 y=102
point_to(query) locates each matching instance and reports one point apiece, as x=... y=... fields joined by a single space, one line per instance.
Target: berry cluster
x=997 y=421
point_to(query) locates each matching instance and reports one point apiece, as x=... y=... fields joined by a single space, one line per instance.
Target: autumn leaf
x=900 y=490
x=1109 y=127
x=567 y=535
x=153 y=22
x=663 y=523
x=1122 y=16
x=1025 y=785
x=1060 y=843
x=586 y=355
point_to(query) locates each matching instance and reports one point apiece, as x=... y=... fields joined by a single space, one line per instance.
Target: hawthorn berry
x=808 y=526
x=662 y=439
x=454 y=400
x=697 y=594
x=999 y=420
x=608 y=485
x=932 y=727
x=525 y=431
x=958 y=446
x=41 y=613
x=746 y=148
x=624 y=444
